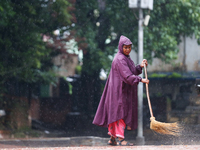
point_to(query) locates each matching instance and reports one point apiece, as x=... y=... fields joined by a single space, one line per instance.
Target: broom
x=159 y=127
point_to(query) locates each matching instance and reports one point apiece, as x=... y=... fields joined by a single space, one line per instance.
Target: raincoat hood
x=123 y=41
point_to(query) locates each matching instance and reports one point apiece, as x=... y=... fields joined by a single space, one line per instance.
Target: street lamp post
x=140 y=138
x=140 y=4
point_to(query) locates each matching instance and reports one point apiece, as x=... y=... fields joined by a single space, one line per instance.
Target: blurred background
x=55 y=56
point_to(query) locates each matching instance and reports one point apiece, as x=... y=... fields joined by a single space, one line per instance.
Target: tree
x=24 y=56
x=169 y=22
x=101 y=22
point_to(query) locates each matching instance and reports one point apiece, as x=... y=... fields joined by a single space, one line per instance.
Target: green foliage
x=69 y=85
x=70 y=88
x=89 y=15
x=169 y=21
x=155 y=75
x=78 y=69
x=23 y=54
x=175 y=75
x=100 y=23
x=161 y=75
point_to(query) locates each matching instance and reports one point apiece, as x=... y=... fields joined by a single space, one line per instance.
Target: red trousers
x=116 y=129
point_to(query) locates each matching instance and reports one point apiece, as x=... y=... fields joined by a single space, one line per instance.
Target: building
x=174 y=87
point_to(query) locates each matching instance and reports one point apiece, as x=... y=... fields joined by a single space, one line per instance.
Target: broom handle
x=147 y=91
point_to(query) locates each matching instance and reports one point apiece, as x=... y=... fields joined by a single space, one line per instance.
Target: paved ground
x=89 y=143
x=150 y=147
x=95 y=138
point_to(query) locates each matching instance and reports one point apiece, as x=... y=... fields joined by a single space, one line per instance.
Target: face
x=126 y=49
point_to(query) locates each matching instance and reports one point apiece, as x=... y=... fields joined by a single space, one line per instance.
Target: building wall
x=66 y=64
x=175 y=99
x=192 y=58
x=192 y=55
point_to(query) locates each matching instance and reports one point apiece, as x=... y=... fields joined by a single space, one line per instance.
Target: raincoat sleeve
x=125 y=73
x=138 y=69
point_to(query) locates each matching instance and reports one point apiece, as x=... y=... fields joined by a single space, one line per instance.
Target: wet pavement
x=96 y=143
x=149 y=147
x=95 y=138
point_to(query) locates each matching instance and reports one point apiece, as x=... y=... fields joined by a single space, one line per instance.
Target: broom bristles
x=165 y=128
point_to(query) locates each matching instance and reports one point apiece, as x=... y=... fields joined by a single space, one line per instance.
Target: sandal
x=127 y=144
x=112 y=142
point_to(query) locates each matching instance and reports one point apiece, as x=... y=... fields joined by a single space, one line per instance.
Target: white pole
x=140 y=138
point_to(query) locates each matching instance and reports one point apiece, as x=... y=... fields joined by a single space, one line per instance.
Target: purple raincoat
x=119 y=98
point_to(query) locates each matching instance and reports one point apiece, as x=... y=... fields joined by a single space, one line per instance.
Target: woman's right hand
x=145 y=81
x=144 y=62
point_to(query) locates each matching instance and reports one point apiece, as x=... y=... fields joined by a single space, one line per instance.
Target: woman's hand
x=145 y=81
x=144 y=61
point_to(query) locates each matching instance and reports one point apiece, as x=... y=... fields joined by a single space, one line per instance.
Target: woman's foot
x=128 y=128
x=112 y=141
x=122 y=142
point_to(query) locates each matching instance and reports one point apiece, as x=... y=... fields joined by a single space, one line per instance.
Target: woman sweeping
x=118 y=105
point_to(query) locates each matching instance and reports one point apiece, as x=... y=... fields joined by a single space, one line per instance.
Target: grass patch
x=26 y=132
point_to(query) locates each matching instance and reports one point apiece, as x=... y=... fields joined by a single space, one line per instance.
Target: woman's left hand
x=144 y=61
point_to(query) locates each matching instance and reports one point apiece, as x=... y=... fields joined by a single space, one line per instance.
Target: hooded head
x=123 y=41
